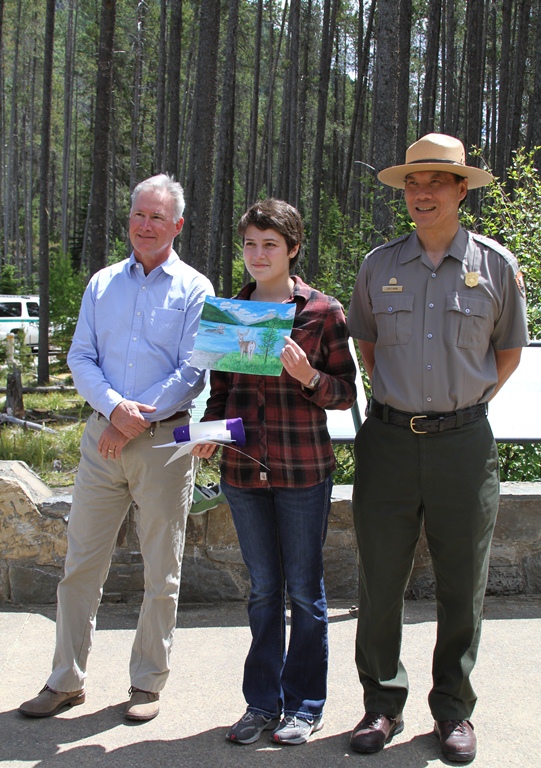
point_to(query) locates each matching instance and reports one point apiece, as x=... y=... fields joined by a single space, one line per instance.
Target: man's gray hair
x=162 y=183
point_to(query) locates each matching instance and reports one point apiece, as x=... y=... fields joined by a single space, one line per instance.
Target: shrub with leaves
x=512 y=215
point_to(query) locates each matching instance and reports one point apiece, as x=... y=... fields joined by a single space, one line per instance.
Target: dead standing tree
x=196 y=234
x=96 y=241
x=44 y=166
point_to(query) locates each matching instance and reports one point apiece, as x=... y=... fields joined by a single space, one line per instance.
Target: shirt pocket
x=308 y=337
x=165 y=327
x=394 y=318
x=468 y=320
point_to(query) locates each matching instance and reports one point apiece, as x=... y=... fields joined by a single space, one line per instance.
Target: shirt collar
x=170 y=265
x=300 y=289
x=412 y=248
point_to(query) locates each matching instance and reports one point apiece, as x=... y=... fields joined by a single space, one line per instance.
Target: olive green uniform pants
x=449 y=482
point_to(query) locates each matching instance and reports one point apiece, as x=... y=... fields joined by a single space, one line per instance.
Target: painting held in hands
x=242 y=336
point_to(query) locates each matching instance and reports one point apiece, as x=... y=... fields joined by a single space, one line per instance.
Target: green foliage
x=238 y=275
x=66 y=287
x=520 y=463
x=511 y=214
x=22 y=356
x=343 y=246
x=118 y=251
x=9 y=283
x=208 y=470
x=345 y=465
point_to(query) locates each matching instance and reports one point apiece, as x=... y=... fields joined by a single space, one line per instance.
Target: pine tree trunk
x=160 y=90
x=44 y=167
x=137 y=83
x=173 y=82
x=385 y=117
x=327 y=36
x=69 y=63
x=431 y=68
x=534 y=122
x=251 y=190
x=504 y=123
x=222 y=212
x=196 y=233
x=96 y=246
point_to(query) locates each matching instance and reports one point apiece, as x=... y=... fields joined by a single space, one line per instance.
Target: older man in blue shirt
x=130 y=359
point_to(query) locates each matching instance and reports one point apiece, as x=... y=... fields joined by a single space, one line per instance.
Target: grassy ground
x=55 y=457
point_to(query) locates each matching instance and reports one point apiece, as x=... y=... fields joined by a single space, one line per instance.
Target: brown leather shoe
x=143 y=705
x=457 y=740
x=375 y=731
x=49 y=702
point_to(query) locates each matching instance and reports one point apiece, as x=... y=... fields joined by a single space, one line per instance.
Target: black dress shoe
x=457 y=740
x=374 y=732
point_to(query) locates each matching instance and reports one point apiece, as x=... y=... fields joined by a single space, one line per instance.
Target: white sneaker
x=295 y=730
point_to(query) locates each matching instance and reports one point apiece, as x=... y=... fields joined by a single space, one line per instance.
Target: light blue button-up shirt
x=135 y=336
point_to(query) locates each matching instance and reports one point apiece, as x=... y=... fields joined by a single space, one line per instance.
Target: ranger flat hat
x=435 y=152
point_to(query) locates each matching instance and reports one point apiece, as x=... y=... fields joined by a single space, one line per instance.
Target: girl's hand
x=296 y=363
x=204 y=450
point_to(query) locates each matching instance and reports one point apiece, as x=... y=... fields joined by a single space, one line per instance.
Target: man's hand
x=127 y=417
x=111 y=442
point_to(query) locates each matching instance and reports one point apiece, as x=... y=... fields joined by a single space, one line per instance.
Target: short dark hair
x=278 y=215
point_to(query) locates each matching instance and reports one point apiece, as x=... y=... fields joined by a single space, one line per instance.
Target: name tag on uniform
x=391 y=288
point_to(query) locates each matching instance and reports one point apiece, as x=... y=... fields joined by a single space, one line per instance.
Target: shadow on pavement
x=51 y=748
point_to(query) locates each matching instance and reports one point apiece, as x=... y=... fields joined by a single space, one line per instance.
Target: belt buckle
x=412 y=425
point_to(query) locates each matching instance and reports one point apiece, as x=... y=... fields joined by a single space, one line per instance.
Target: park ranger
x=440 y=319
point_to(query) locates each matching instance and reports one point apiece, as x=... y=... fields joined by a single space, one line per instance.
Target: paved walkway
x=203 y=695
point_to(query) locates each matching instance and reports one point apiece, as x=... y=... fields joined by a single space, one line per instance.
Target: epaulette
x=495 y=246
x=389 y=244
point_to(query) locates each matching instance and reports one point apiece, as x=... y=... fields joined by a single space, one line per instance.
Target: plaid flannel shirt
x=285 y=424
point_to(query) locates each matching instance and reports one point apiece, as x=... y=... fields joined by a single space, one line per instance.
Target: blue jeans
x=281 y=533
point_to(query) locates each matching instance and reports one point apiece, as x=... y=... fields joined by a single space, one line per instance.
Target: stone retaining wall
x=33 y=545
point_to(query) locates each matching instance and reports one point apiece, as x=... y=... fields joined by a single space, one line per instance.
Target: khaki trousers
x=104 y=489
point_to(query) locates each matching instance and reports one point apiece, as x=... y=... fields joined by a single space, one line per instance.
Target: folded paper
x=225 y=429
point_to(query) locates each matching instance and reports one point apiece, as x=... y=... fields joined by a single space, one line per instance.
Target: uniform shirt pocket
x=468 y=320
x=394 y=317
x=165 y=327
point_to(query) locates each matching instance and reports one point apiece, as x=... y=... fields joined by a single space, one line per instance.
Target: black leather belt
x=421 y=423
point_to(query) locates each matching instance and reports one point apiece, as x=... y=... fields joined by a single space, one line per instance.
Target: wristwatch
x=314 y=381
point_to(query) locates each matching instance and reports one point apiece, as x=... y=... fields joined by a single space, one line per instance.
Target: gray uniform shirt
x=436 y=328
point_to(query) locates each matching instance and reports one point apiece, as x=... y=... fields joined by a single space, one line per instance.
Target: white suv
x=20 y=314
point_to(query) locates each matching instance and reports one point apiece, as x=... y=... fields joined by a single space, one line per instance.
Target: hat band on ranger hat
x=437 y=160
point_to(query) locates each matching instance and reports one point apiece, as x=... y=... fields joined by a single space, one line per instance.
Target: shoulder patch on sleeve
x=519 y=280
